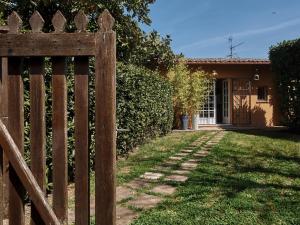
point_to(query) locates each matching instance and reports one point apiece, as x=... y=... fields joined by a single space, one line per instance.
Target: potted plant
x=189 y=92
x=178 y=77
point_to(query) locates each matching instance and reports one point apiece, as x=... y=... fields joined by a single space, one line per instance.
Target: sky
x=201 y=28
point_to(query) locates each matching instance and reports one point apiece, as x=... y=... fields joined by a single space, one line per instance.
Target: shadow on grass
x=274 y=134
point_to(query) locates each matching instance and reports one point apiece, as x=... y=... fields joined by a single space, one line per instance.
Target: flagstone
x=176 y=158
x=180 y=172
x=164 y=189
x=189 y=165
x=125 y=216
x=124 y=193
x=151 y=176
x=145 y=201
x=138 y=184
x=176 y=178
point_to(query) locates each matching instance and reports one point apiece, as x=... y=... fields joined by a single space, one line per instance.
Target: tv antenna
x=232 y=47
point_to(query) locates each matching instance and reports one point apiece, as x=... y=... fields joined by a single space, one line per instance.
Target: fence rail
x=59 y=45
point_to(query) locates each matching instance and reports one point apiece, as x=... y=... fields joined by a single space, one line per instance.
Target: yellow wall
x=262 y=113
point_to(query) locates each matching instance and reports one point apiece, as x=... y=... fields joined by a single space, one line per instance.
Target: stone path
x=152 y=187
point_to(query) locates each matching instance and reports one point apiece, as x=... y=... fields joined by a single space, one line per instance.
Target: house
x=244 y=92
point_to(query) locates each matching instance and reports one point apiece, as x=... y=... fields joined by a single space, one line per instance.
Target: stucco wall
x=262 y=113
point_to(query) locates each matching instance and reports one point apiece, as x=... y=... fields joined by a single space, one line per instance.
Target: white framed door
x=207 y=112
x=225 y=102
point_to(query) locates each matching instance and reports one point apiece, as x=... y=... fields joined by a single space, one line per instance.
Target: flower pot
x=185 y=122
x=195 y=122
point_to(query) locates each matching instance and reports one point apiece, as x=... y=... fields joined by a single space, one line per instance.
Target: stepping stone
x=189 y=165
x=176 y=158
x=162 y=168
x=182 y=154
x=145 y=201
x=151 y=176
x=124 y=193
x=169 y=163
x=186 y=151
x=138 y=184
x=193 y=160
x=125 y=216
x=181 y=172
x=200 y=154
x=176 y=178
x=164 y=189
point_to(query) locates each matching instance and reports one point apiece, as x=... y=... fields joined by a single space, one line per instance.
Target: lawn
x=147 y=156
x=248 y=178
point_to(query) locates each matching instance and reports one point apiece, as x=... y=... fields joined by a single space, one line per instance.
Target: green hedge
x=285 y=59
x=144 y=106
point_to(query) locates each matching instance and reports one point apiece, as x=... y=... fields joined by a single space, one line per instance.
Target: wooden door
x=241 y=101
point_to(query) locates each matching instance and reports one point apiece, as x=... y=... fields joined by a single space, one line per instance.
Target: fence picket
x=82 y=193
x=37 y=128
x=16 y=129
x=59 y=129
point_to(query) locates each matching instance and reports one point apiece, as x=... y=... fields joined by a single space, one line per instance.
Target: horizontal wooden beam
x=47 y=44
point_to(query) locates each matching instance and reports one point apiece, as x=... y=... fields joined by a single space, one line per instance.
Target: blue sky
x=201 y=28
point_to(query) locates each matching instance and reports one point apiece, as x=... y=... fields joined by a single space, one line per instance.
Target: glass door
x=226 y=102
x=207 y=112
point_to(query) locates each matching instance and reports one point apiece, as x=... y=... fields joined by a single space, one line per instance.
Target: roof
x=225 y=61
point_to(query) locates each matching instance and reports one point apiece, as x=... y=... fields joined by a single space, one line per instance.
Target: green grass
x=147 y=156
x=249 y=178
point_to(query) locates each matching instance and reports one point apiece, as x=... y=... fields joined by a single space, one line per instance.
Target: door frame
x=202 y=121
x=226 y=120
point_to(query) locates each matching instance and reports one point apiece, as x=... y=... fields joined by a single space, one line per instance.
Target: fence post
x=105 y=159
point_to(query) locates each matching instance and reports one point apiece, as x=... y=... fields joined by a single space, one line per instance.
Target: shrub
x=144 y=106
x=285 y=59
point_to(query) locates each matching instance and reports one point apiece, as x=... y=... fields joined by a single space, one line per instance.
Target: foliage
x=179 y=78
x=285 y=58
x=154 y=52
x=133 y=45
x=189 y=87
x=144 y=106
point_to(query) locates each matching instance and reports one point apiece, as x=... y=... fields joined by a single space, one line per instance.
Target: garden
x=166 y=177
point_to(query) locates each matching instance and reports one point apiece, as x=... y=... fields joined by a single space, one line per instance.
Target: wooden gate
x=241 y=101
x=58 y=45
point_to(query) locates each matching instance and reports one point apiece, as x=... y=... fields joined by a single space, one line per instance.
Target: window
x=262 y=94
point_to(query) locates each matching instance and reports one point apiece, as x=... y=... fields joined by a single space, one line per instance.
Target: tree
x=285 y=60
x=133 y=45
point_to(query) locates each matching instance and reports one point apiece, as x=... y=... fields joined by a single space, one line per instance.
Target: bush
x=144 y=106
x=285 y=59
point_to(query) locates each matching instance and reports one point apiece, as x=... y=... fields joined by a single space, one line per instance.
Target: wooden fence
x=58 y=45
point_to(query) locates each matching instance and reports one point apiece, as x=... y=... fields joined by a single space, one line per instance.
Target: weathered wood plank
x=59 y=127
x=4 y=117
x=37 y=129
x=82 y=192
x=23 y=172
x=1 y=154
x=45 y=44
x=105 y=159
x=16 y=129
